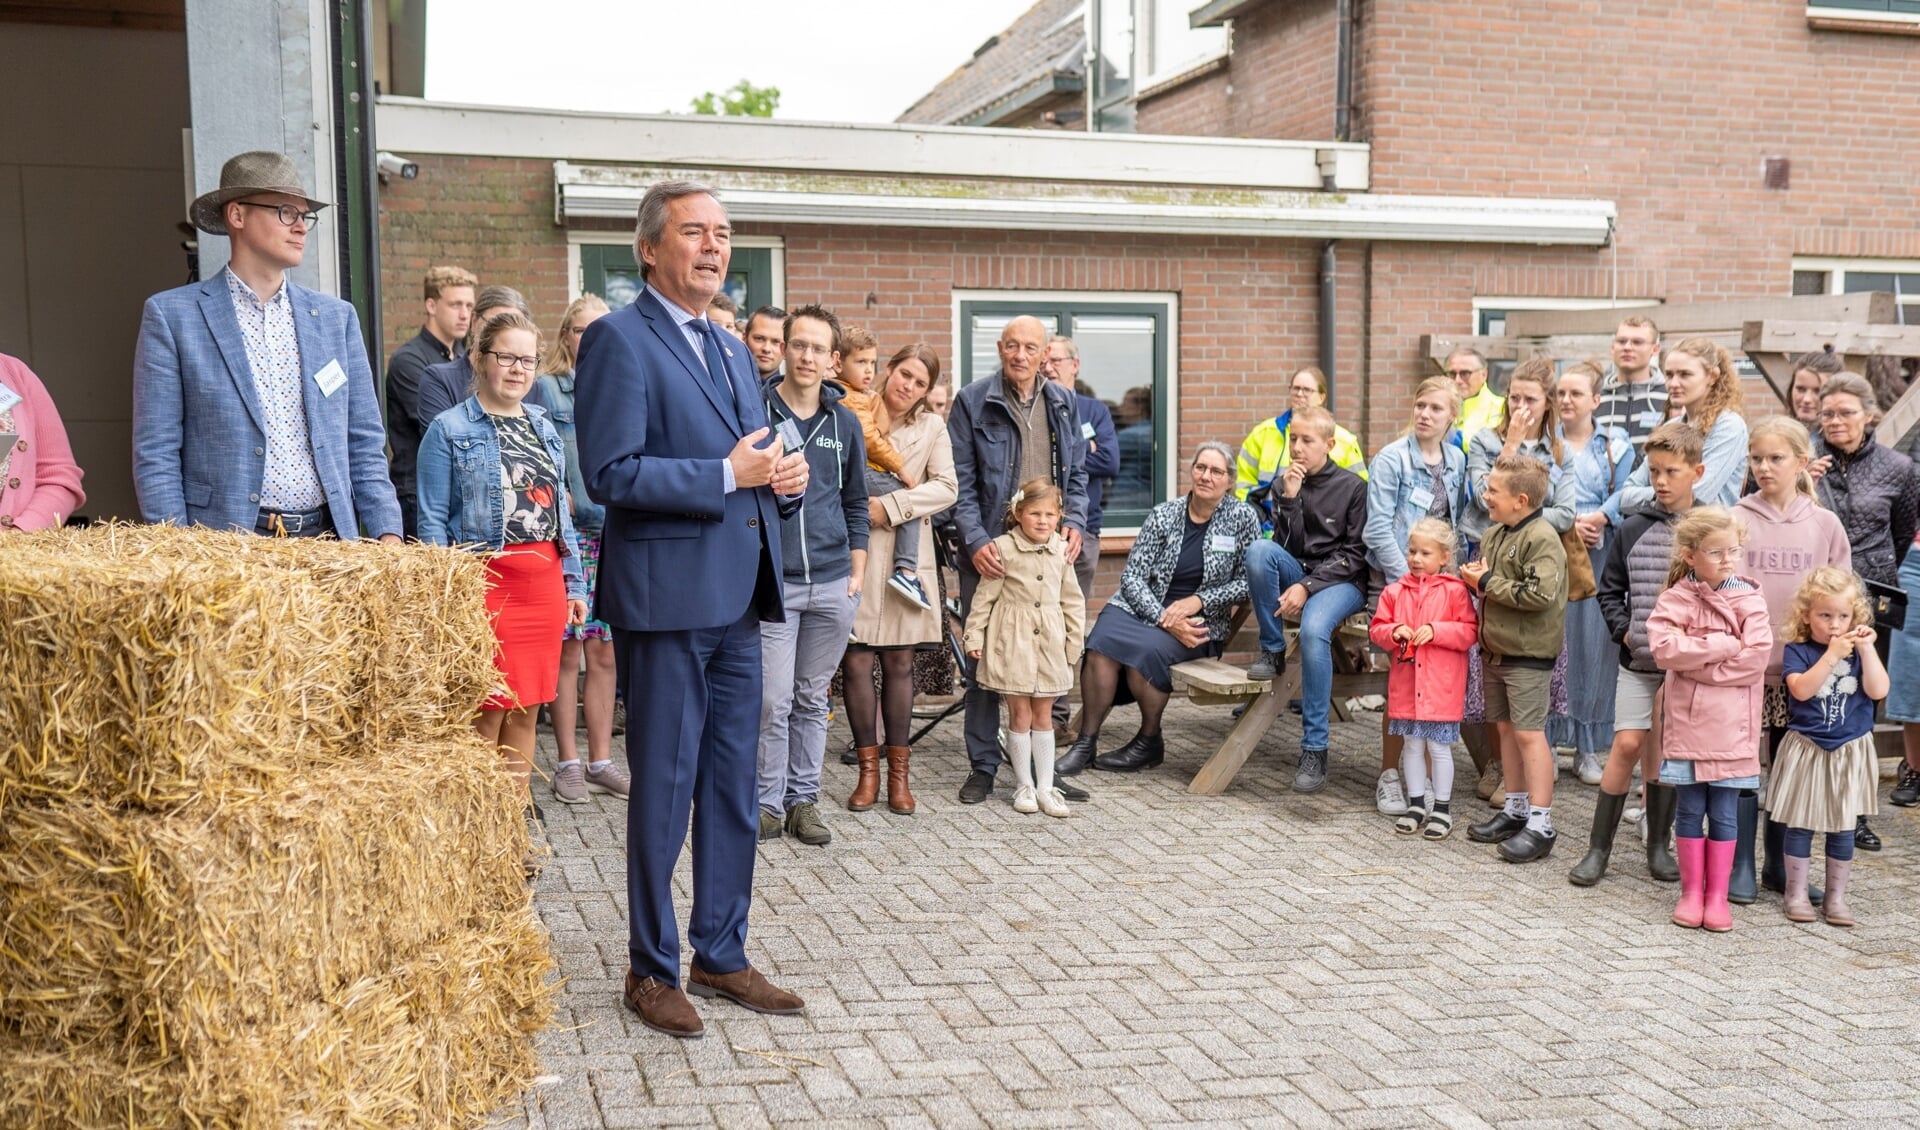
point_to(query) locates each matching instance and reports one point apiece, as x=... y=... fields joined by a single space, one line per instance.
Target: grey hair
x=653 y=213
x=1226 y=453
x=1479 y=358
x=1073 y=350
x=1856 y=386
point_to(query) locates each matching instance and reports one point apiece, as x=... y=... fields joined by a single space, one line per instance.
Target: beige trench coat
x=1029 y=625
x=885 y=620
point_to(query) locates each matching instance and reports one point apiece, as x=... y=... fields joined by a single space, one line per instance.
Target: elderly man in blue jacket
x=1010 y=427
x=253 y=402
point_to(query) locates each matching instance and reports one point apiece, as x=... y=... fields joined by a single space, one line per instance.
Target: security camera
x=393 y=166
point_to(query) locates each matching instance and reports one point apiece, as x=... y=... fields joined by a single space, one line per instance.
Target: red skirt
x=527 y=601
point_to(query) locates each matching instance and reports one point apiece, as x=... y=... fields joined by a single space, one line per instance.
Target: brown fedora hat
x=249 y=174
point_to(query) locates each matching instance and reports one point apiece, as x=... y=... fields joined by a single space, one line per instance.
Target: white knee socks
x=1441 y=754
x=1020 y=755
x=1415 y=754
x=1042 y=740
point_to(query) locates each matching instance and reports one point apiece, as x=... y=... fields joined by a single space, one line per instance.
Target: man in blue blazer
x=674 y=443
x=253 y=403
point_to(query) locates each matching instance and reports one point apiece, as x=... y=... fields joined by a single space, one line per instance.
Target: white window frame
x=1170 y=459
x=579 y=239
x=1837 y=268
x=1145 y=14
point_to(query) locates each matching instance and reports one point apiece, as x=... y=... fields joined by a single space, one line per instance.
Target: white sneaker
x=1388 y=796
x=1589 y=766
x=1051 y=802
x=1024 y=800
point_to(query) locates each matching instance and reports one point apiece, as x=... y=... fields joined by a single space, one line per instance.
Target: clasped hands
x=1413 y=637
x=1178 y=621
x=756 y=466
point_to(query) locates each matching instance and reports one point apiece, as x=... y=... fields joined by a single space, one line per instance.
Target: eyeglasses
x=1730 y=553
x=511 y=361
x=1211 y=472
x=1461 y=374
x=289 y=214
x=1842 y=414
x=802 y=349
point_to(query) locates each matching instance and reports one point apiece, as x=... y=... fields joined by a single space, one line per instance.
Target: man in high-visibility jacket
x=1480 y=406
x=1265 y=455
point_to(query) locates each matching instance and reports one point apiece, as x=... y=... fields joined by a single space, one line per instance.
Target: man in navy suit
x=253 y=402
x=674 y=443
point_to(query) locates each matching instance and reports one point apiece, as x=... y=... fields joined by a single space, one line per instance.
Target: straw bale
x=442 y=1039
x=192 y=927
x=148 y=665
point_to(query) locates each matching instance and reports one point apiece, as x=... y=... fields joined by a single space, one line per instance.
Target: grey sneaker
x=610 y=779
x=1269 y=664
x=1312 y=775
x=804 y=824
x=569 y=783
x=1588 y=766
x=770 y=826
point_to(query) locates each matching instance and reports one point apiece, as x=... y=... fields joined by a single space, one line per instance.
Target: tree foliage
x=741 y=100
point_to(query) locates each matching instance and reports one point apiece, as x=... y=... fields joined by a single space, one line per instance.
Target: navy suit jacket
x=677 y=552
x=199 y=435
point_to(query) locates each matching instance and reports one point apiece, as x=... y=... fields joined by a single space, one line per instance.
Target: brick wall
x=1277 y=83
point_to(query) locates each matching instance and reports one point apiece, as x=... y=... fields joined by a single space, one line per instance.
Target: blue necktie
x=720 y=383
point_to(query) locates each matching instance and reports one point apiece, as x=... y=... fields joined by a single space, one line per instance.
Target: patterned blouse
x=529 y=482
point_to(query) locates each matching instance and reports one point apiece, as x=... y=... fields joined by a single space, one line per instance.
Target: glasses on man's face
x=512 y=361
x=1461 y=374
x=1730 y=553
x=289 y=213
x=804 y=349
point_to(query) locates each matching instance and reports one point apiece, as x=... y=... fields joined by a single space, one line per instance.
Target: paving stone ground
x=1255 y=959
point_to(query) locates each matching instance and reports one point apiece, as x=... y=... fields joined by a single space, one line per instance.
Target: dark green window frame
x=1116 y=519
x=598 y=261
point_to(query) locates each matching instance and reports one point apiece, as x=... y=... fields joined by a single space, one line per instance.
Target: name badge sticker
x=1650 y=419
x=1422 y=498
x=330 y=378
x=8 y=398
x=1086 y=431
x=1220 y=543
x=789 y=433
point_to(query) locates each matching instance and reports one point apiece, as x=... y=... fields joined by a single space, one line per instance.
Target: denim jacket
x=588 y=515
x=1397 y=488
x=461 y=500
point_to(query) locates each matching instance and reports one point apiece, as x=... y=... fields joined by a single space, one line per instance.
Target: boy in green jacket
x=1522 y=580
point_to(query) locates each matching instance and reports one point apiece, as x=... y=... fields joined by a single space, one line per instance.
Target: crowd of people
x=683 y=509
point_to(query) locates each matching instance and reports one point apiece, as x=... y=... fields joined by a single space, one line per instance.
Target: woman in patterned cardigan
x=1186 y=572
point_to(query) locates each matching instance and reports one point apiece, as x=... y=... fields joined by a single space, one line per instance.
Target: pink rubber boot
x=1716 y=915
x=1691 y=855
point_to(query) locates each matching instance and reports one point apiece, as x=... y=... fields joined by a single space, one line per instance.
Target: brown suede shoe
x=663 y=1007
x=746 y=988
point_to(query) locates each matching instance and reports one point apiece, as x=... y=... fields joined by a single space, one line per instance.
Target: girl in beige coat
x=1027 y=629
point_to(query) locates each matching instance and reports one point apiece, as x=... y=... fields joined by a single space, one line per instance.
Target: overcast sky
x=833 y=60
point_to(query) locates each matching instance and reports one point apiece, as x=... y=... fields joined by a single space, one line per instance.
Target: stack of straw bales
x=255 y=868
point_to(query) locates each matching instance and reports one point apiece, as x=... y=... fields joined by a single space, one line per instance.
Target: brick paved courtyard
x=1259 y=958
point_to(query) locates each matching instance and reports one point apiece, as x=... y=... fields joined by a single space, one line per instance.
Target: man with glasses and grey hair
x=253 y=400
x=1480 y=406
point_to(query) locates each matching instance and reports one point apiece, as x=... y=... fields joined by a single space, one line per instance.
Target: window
x=1899 y=277
x=1126 y=361
x=1138 y=44
x=755 y=273
x=1891 y=17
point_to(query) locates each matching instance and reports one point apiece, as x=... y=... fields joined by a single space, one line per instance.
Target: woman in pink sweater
x=1710 y=633
x=39 y=481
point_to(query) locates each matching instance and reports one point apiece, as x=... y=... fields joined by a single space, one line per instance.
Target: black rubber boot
x=1606 y=821
x=1773 y=872
x=1661 y=801
x=1741 y=890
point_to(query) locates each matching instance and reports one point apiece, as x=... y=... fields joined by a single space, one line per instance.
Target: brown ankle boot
x=868 y=789
x=899 y=799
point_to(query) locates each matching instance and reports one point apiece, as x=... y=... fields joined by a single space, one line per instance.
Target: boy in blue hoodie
x=824 y=558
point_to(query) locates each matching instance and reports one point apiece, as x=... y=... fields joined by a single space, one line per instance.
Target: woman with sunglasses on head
x=493 y=476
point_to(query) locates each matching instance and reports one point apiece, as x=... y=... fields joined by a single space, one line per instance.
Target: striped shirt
x=1635 y=409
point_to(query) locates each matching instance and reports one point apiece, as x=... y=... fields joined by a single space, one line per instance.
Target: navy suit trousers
x=692 y=738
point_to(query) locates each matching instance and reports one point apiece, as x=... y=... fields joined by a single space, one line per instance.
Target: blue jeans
x=1716 y=808
x=1271 y=570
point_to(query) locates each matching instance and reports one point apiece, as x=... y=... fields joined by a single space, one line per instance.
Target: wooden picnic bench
x=1215 y=682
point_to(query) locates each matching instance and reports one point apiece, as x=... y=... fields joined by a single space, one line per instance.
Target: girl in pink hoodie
x=1426 y=622
x=1709 y=632
x=1789 y=535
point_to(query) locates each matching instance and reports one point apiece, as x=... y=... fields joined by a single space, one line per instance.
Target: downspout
x=1342 y=125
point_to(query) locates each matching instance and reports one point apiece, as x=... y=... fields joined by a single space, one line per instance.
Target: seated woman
x=1186 y=572
x=1265 y=454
